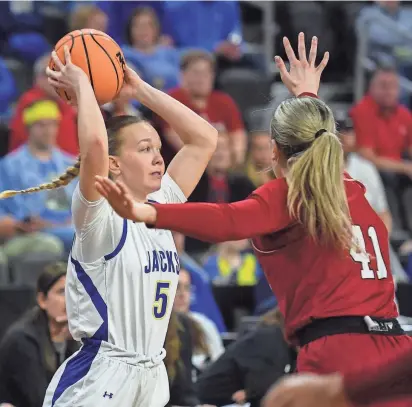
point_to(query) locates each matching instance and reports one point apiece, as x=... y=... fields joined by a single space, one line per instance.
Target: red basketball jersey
x=311 y=281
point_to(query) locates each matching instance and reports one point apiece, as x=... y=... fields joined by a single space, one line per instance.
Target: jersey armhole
x=120 y=245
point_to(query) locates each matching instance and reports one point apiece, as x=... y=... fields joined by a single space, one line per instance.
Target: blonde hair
x=305 y=132
x=63 y=180
x=114 y=125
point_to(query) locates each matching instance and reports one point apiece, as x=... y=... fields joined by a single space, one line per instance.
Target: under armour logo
x=109 y=395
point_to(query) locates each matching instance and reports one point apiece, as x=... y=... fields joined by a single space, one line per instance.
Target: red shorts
x=344 y=352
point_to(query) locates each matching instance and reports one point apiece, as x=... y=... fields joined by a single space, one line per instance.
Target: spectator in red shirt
x=67 y=134
x=383 y=129
x=196 y=92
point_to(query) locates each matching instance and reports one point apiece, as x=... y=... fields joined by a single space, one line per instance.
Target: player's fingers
x=111 y=186
x=122 y=188
x=57 y=61
x=67 y=56
x=289 y=51
x=53 y=83
x=323 y=63
x=104 y=185
x=313 y=51
x=53 y=74
x=302 y=48
x=100 y=189
x=281 y=66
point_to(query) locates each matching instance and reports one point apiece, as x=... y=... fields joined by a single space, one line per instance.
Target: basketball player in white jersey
x=122 y=276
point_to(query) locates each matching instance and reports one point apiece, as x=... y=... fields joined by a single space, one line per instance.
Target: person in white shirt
x=365 y=172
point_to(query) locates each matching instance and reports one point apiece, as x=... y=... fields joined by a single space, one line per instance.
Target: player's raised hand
x=307 y=390
x=303 y=75
x=122 y=201
x=132 y=79
x=65 y=75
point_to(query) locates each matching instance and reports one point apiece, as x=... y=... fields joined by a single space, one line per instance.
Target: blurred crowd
x=225 y=341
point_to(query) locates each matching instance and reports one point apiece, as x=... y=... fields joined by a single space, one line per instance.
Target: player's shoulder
x=353 y=186
x=277 y=187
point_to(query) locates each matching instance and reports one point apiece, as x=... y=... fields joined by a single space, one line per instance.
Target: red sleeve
x=363 y=129
x=389 y=379
x=263 y=213
x=234 y=120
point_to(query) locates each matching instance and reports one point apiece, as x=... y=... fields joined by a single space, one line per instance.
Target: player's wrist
x=308 y=94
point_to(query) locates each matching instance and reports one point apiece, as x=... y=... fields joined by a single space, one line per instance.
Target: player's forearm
x=389 y=379
x=90 y=121
x=191 y=128
x=215 y=222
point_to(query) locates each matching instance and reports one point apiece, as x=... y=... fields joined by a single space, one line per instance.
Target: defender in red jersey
x=322 y=247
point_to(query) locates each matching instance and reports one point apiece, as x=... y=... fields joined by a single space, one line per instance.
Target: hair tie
x=320 y=132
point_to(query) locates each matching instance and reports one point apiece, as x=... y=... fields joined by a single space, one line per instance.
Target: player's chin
x=154 y=184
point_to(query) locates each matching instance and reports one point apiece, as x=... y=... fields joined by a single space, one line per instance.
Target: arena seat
x=249 y=89
x=22 y=73
x=26 y=269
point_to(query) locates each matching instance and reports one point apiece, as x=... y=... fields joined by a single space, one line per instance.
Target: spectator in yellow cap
x=45 y=216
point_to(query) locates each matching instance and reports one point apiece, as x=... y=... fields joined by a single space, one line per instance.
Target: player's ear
x=275 y=151
x=114 y=166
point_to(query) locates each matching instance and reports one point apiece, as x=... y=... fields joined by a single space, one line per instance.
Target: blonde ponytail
x=61 y=181
x=304 y=131
x=316 y=195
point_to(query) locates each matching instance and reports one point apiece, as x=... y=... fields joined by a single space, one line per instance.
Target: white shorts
x=100 y=375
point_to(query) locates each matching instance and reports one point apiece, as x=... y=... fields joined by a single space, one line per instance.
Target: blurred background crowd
x=225 y=341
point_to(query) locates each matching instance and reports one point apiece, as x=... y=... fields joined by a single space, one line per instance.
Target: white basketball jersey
x=122 y=277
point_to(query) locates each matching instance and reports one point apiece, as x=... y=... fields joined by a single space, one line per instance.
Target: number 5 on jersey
x=161 y=299
x=362 y=257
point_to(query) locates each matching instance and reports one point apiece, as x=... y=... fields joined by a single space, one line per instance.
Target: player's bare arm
x=198 y=136
x=92 y=131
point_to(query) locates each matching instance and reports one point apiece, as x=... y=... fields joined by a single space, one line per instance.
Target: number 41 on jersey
x=361 y=256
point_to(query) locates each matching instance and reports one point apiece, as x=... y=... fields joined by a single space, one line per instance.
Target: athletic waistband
x=344 y=325
x=112 y=351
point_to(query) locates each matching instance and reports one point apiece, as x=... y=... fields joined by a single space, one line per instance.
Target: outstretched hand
x=303 y=75
x=120 y=199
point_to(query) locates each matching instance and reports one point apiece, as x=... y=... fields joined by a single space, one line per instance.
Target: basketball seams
x=85 y=58
x=110 y=59
x=88 y=61
x=79 y=35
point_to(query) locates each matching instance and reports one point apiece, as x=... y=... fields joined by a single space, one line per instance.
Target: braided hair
x=113 y=125
x=64 y=179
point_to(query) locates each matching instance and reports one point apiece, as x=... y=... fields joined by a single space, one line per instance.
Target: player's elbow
x=208 y=139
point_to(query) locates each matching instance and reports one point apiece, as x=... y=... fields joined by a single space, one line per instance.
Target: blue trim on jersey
x=103 y=332
x=76 y=368
x=119 y=247
x=152 y=201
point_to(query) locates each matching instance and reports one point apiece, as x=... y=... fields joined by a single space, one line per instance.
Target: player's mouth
x=156 y=174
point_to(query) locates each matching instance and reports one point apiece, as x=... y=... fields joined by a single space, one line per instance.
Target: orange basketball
x=99 y=56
